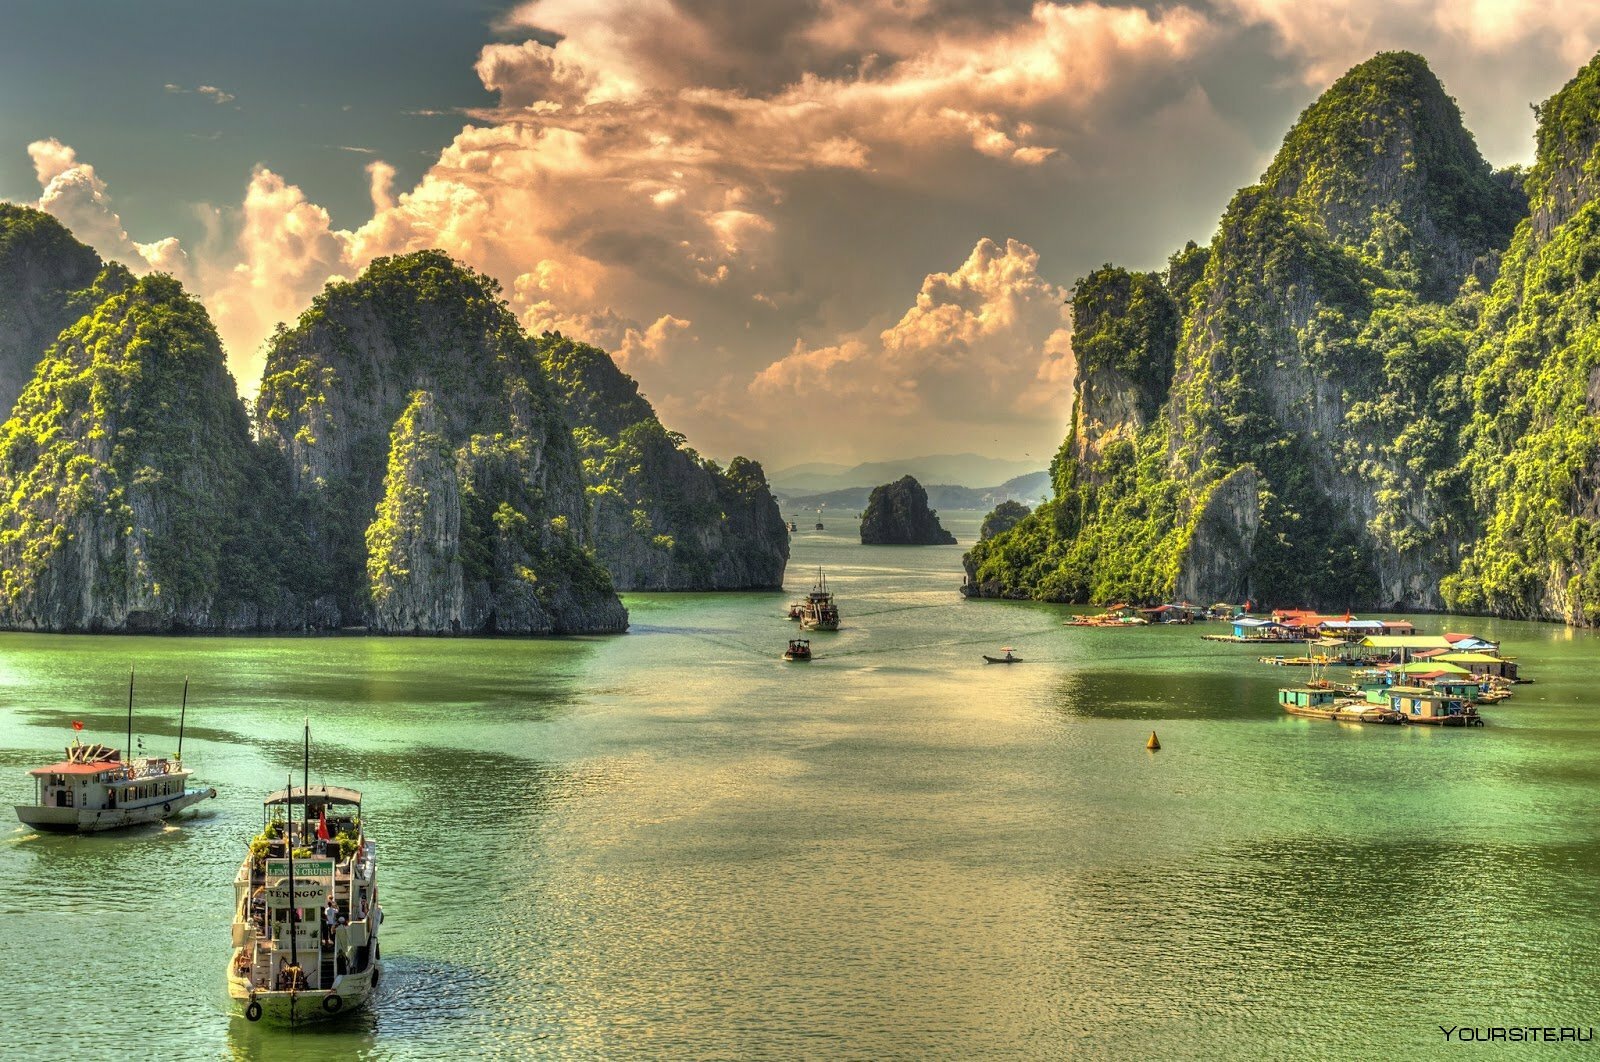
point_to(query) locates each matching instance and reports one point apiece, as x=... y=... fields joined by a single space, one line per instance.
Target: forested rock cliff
x=1305 y=445
x=45 y=275
x=661 y=517
x=437 y=479
x=1533 y=439
x=131 y=494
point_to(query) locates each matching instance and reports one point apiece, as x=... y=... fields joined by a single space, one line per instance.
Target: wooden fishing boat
x=1009 y=658
x=1313 y=702
x=799 y=649
x=1427 y=707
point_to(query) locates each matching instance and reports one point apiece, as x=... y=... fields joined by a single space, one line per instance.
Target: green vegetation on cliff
x=663 y=517
x=1306 y=445
x=45 y=275
x=129 y=478
x=1534 y=437
x=336 y=396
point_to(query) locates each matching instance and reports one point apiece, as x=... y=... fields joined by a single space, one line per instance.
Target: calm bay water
x=674 y=844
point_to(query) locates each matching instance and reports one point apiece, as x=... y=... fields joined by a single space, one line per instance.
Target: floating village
x=1361 y=670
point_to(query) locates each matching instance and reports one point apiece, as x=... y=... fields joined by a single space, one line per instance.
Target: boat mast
x=305 y=823
x=127 y=756
x=294 y=912
x=182 y=714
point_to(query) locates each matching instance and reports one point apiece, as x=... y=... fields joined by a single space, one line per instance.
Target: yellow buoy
x=1154 y=743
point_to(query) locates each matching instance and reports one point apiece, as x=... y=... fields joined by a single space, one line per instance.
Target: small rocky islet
x=897 y=514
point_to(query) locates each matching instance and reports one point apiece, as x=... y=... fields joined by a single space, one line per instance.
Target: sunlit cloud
x=770 y=203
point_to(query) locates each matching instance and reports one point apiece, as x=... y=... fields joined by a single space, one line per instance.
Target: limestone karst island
x=642 y=530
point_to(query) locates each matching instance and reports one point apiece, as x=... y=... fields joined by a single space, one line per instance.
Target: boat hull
x=1002 y=659
x=352 y=991
x=91 y=820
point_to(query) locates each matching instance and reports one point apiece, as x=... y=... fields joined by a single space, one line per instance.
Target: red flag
x=322 y=822
x=76 y=725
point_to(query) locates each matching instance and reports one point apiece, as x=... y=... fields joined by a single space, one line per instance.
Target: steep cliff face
x=44 y=274
x=133 y=497
x=1125 y=335
x=1317 y=378
x=662 y=518
x=897 y=514
x=340 y=389
x=1534 y=440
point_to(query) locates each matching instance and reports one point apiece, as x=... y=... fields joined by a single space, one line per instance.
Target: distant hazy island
x=1377 y=387
x=415 y=463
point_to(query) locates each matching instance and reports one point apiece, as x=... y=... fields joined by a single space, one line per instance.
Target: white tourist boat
x=306 y=912
x=95 y=789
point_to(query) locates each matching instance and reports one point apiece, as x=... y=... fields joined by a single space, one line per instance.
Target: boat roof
x=1429 y=667
x=73 y=767
x=1405 y=641
x=1471 y=658
x=319 y=794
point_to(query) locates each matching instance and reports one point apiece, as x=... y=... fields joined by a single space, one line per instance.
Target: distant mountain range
x=1029 y=489
x=965 y=470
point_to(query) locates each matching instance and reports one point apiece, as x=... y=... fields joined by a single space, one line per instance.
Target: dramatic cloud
x=739 y=200
x=285 y=251
x=75 y=194
x=983 y=356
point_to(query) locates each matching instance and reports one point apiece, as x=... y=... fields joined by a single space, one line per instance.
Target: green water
x=672 y=844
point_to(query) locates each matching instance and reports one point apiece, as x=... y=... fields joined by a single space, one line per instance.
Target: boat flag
x=322 y=823
x=77 y=724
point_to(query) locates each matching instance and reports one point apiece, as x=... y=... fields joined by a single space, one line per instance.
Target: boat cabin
x=1249 y=627
x=95 y=777
x=1419 y=704
x=1483 y=664
x=1307 y=697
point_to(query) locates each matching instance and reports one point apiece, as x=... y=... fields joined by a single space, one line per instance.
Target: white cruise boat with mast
x=818 y=612
x=306 y=912
x=101 y=788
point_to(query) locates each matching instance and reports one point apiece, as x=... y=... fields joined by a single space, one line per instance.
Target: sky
x=813 y=230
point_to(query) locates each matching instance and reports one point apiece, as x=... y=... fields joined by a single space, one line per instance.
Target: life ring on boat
x=253 y=1011
x=332 y=1003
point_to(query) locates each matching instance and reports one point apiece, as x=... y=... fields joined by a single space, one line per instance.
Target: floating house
x=1427 y=707
x=1250 y=628
x=1482 y=664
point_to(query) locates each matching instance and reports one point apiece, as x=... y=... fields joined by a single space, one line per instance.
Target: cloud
x=987 y=343
x=739 y=199
x=210 y=92
x=74 y=193
x=285 y=250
